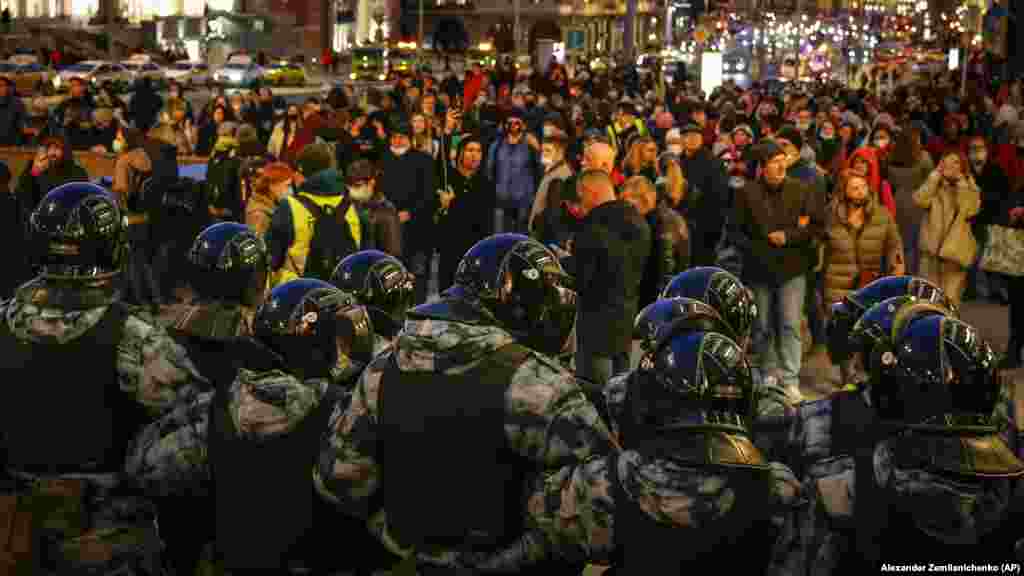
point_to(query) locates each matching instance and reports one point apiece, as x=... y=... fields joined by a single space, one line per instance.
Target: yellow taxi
x=285 y=73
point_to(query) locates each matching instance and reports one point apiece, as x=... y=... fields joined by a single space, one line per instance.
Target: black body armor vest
x=265 y=499
x=453 y=427
x=644 y=546
x=63 y=410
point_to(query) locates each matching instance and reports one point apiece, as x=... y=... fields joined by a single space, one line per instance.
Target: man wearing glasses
x=780 y=216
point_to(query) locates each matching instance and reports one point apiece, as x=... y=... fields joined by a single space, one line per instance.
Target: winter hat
x=315 y=158
x=792 y=135
x=691 y=127
x=1007 y=115
x=360 y=170
x=744 y=128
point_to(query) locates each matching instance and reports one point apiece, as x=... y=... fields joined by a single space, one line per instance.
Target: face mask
x=118 y=145
x=676 y=149
x=399 y=151
x=360 y=193
x=827 y=136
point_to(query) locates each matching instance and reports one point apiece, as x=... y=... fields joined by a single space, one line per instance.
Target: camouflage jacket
x=572 y=511
x=549 y=420
x=152 y=366
x=954 y=510
x=119 y=533
x=170 y=456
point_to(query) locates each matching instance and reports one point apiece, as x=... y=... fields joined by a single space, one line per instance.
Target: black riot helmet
x=381 y=283
x=697 y=384
x=845 y=313
x=666 y=317
x=521 y=285
x=78 y=233
x=877 y=329
x=317 y=329
x=720 y=290
x=940 y=386
x=229 y=263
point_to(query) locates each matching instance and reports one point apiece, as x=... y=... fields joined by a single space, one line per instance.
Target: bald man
x=670 y=237
x=611 y=249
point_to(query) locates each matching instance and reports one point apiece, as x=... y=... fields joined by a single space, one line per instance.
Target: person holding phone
x=53 y=165
x=947 y=244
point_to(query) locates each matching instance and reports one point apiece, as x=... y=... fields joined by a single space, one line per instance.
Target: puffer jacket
x=945 y=204
x=849 y=252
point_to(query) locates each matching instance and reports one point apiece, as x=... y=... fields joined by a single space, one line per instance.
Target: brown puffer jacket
x=851 y=254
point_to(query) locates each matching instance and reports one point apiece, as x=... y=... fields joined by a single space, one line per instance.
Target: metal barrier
x=95 y=164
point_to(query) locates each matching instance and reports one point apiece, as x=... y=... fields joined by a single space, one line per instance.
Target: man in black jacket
x=670 y=237
x=707 y=197
x=13 y=116
x=779 y=216
x=611 y=250
x=407 y=179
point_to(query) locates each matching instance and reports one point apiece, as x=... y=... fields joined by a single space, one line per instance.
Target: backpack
x=223 y=180
x=332 y=240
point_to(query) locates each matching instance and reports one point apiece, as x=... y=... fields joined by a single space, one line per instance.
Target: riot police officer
x=845 y=313
x=466 y=406
x=689 y=482
x=723 y=292
x=653 y=324
x=82 y=370
x=925 y=477
x=229 y=266
x=381 y=283
x=257 y=437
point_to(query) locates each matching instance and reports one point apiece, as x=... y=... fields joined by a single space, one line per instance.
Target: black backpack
x=332 y=240
x=223 y=179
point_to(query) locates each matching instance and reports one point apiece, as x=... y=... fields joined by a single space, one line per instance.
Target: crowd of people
x=236 y=334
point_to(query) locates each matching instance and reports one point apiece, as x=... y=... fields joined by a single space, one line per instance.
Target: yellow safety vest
x=303 y=223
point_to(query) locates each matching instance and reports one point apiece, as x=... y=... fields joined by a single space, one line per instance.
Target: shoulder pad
x=450 y=310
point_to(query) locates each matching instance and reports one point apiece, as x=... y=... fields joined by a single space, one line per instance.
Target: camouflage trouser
x=122 y=539
x=75 y=527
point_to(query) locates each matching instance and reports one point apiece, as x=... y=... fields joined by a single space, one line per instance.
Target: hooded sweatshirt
x=881 y=188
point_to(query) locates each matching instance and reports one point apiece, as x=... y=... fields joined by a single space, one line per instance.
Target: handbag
x=958 y=244
x=1003 y=253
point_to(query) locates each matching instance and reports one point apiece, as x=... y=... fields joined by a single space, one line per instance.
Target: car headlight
x=352 y=76
x=382 y=77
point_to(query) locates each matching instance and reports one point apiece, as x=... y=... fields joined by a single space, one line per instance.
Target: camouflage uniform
x=120 y=535
x=170 y=456
x=548 y=419
x=572 y=511
x=953 y=511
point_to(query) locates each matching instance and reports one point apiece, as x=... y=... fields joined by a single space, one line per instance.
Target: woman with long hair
x=909 y=167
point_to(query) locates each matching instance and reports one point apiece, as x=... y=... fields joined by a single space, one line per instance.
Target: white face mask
x=399 y=151
x=676 y=149
x=360 y=193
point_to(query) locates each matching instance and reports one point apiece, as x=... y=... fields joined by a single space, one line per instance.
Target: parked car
x=285 y=74
x=239 y=74
x=140 y=69
x=29 y=79
x=95 y=72
x=189 y=73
